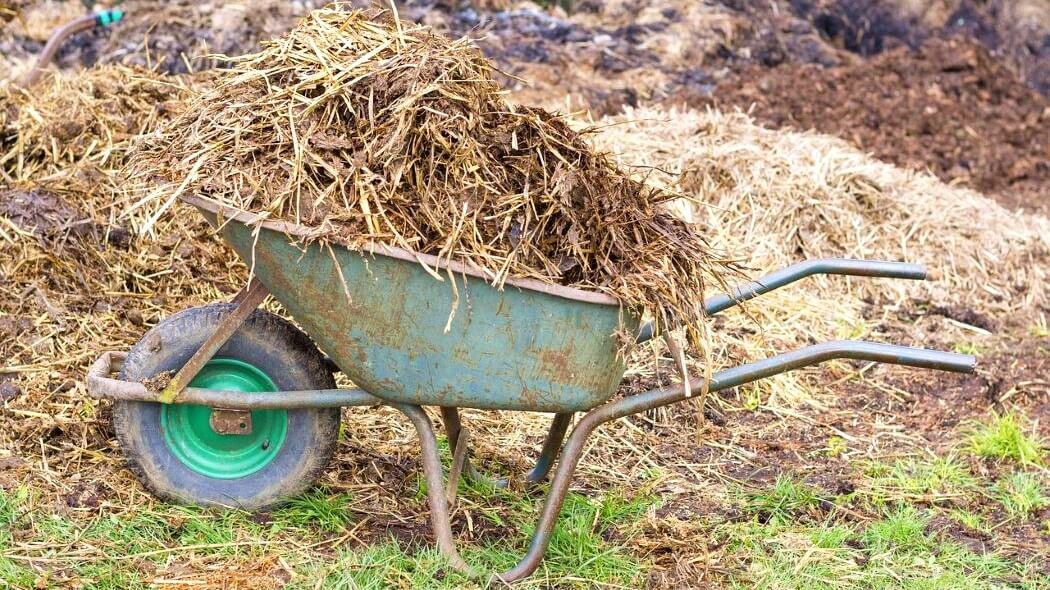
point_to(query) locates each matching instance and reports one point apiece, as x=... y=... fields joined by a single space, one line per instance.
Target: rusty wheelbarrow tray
x=411 y=331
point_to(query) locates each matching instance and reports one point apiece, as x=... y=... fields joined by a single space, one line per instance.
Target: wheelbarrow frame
x=441 y=492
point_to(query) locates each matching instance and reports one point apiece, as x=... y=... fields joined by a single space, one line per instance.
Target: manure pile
x=373 y=130
x=76 y=131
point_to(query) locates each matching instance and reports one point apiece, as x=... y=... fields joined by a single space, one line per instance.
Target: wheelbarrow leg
x=454 y=430
x=438 y=498
x=551 y=445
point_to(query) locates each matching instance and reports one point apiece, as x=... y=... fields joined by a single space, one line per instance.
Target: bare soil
x=949 y=107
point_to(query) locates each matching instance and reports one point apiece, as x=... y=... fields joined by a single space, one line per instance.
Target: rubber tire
x=273 y=345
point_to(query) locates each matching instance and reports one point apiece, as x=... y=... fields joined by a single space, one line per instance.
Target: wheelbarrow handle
x=796 y=272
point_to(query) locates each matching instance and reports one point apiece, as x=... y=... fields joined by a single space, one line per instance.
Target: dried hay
x=73 y=281
x=373 y=130
x=782 y=196
x=80 y=127
x=10 y=9
x=63 y=147
x=36 y=20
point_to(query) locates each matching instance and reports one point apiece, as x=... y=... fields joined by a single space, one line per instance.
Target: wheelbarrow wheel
x=175 y=451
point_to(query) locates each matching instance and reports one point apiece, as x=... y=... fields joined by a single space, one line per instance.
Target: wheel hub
x=191 y=437
x=225 y=421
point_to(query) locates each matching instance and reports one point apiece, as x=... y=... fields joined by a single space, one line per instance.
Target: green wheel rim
x=189 y=436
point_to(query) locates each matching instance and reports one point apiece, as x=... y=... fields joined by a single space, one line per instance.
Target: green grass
x=12 y=512
x=11 y=509
x=926 y=479
x=14 y=574
x=119 y=535
x=786 y=537
x=111 y=551
x=773 y=557
x=317 y=508
x=786 y=500
x=895 y=551
x=1021 y=494
x=901 y=531
x=969 y=348
x=580 y=553
x=970 y=519
x=753 y=395
x=109 y=575
x=1004 y=437
x=381 y=566
x=836 y=446
x=885 y=537
x=579 y=547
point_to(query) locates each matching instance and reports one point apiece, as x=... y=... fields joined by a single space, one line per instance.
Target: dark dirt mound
x=36 y=211
x=614 y=53
x=180 y=34
x=866 y=27
x=949 y=106
x=937 y=85
x=1017 y=31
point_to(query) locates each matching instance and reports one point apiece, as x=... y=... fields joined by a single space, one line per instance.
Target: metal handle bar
x=101 y=386
x=574 y=446
x=798 y=271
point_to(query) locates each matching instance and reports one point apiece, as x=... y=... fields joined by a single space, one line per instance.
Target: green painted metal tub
x=384 y=320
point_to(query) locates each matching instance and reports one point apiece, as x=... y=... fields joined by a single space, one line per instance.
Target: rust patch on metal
x=529 y=398
x=236 y=422
x=465 y=355
x=557 y=364
x=388 y=327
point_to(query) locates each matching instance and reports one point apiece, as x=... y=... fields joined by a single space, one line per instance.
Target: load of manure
x=371 y=130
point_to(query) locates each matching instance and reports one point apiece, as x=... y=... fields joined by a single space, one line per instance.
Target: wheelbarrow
x=229 y=405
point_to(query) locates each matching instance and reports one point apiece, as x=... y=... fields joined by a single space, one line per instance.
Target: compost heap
x=371 y=130
x=63 y=148
x=76 y=131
